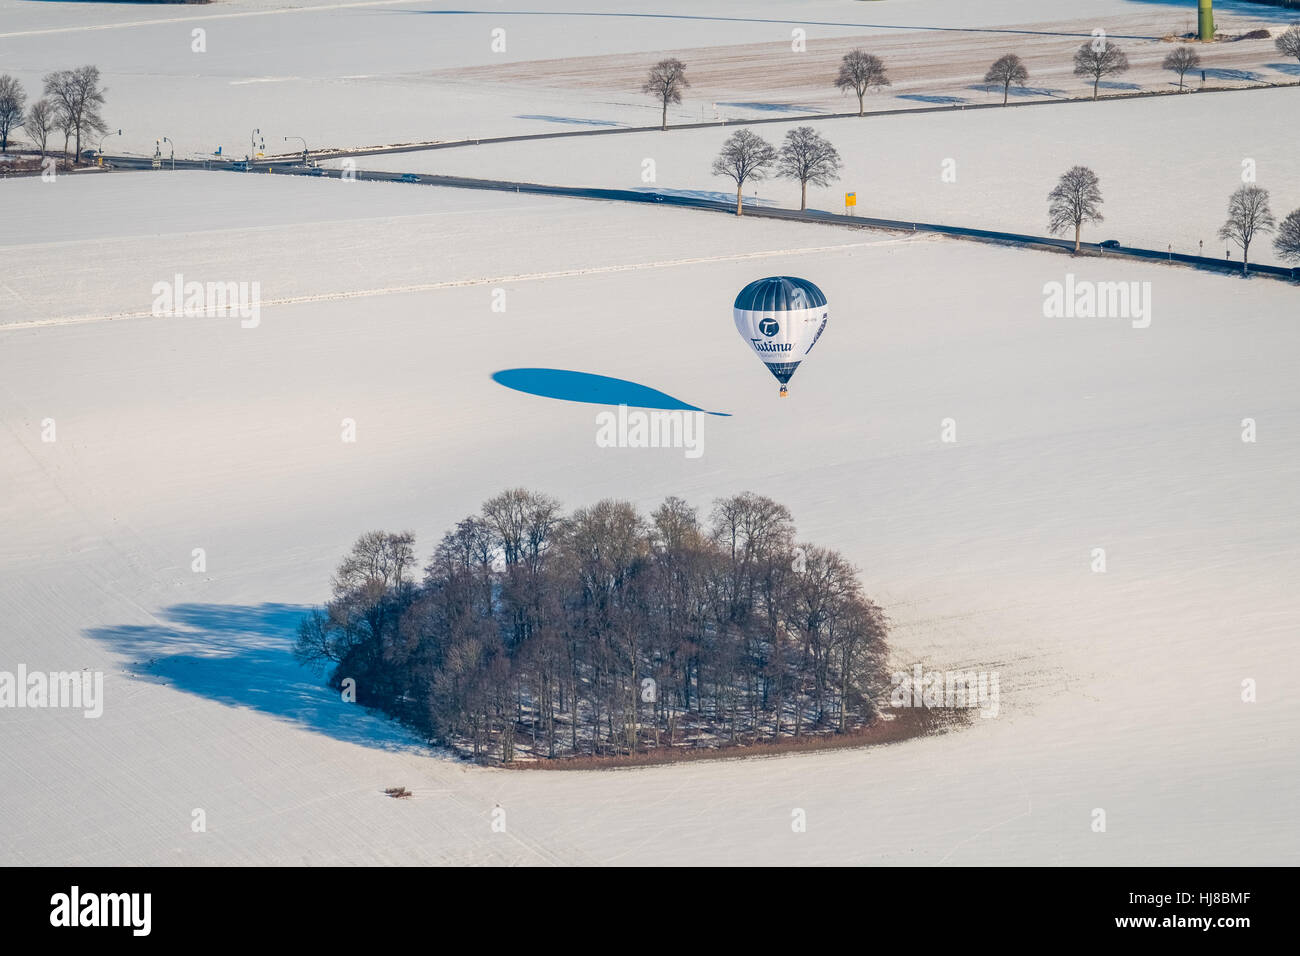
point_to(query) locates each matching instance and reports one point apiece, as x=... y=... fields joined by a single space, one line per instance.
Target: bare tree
x=666 y=81
x=1248 y=214
x=1288 y=41
x=12 y=100
x=1006 y=70
x=1287 y=243
x=65 y=124
x=808 y=157
x=744 y=156
x=1182 y=59
x=861 y=71
x=1098 y=58
x=42 y=118
x=78 y=95
x=1075 y=200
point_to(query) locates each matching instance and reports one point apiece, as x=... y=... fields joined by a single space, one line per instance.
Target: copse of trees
x=543 y=635
x=1098 y=58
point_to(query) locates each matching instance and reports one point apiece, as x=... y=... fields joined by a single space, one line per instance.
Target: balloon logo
x=781 y=343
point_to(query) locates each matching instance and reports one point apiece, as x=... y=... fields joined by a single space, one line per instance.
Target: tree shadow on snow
x=774 y=107
x=571 y=120
x=570 y=386
x=931 y=98
x=1218 y=74
x=1016 y=90
x=1035 y=91
x=242 y=656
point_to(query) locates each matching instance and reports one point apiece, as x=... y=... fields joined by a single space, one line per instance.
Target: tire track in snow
x=481 y=280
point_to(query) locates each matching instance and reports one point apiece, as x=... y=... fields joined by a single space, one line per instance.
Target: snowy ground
x=1163 y=180
x=310 y=240
x=1120 y=690
x=386 y=71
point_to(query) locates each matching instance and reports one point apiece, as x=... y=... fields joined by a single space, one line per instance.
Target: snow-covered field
x=1120 y=690
x=324 y=238
x=128 y=441
x=387 y=71
x=1164 y=180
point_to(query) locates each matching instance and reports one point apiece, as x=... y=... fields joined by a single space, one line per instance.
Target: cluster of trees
x=70 y=105
x=535 y=633
x=806 y=156
x=1076 y=199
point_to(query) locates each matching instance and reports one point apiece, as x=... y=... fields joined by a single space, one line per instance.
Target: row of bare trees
x=861 y=72
x=71 y=105
x=536 y=633
x=1076 y=200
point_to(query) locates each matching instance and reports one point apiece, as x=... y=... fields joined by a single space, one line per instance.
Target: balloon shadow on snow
x=242 y=656
x=569 y=386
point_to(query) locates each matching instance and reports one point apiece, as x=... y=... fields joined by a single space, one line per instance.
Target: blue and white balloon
x=781 y=318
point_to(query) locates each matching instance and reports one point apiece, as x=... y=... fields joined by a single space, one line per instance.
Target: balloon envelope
x=781 y=318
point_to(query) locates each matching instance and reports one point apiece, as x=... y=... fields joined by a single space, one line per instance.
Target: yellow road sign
x=850 y=199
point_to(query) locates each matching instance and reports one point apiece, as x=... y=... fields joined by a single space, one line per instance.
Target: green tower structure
x=1206 y=20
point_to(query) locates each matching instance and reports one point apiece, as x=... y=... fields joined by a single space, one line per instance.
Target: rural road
x=693 y=202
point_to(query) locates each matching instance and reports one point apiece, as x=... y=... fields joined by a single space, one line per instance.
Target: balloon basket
x=784 y=392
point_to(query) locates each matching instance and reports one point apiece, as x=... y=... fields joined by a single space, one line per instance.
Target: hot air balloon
x=781 y=318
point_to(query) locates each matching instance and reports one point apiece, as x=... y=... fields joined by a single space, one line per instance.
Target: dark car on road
x=239 y=167
x=410 y=178
x=1109 y=244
